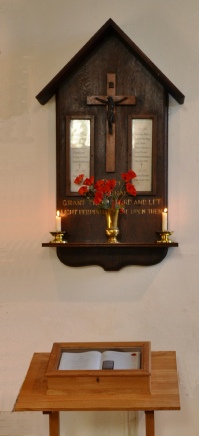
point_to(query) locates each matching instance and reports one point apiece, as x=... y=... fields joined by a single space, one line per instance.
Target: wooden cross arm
x=125 y=100
x=111 y=101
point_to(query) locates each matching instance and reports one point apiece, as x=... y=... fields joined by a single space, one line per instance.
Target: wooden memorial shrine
x=112 y=117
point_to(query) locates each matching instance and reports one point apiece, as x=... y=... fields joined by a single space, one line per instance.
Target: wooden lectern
x=163 y=394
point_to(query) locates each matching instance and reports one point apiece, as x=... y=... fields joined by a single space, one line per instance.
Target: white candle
x=58 y=222
x=164 y=221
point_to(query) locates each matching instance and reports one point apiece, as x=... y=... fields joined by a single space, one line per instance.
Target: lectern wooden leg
x=150 y=425
x=54 y=428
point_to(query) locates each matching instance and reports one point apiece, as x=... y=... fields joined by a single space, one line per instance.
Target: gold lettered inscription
x=73 y=202
x=135 y=206
x=67 y=212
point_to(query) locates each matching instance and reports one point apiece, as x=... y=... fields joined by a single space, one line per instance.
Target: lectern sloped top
x=35 y=394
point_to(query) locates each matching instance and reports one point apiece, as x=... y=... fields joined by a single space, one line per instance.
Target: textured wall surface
x=41 y=300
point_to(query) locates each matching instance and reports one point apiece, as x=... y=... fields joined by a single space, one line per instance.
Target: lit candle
x=58 y=222
x=164 y=220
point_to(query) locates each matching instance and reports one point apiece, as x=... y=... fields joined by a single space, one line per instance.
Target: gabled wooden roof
x=109 y=28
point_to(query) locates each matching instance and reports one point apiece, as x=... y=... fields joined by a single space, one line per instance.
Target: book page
x=82 y=360
x=122 y=359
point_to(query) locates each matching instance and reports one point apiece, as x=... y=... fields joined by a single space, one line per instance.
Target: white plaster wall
x=43 y=301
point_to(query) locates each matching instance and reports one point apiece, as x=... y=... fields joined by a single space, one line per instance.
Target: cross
x=111 y=100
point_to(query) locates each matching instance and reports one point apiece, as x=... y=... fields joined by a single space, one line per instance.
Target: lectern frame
x=34 y=395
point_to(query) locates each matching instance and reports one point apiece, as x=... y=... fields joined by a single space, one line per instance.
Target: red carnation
x=79 y=179
x=89 y=182
x=131 y=189
x=99 y=185
x=106 y=187
x=83 y=190
x=128 y=176
x=111 y=183
x=98 y=198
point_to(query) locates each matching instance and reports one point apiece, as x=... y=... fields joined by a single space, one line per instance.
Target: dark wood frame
x=154 y=148
x=68 y=172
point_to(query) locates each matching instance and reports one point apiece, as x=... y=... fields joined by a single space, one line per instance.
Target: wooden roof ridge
x=109 y=28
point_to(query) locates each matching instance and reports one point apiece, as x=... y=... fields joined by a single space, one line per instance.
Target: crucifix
x=111 y=100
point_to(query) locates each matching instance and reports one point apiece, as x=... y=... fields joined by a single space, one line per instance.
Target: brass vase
x=112 y=225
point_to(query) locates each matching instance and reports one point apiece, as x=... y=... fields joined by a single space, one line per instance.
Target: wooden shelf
x=111 y=257
x=102 y=245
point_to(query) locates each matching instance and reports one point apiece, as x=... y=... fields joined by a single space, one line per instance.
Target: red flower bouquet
x=107 y=194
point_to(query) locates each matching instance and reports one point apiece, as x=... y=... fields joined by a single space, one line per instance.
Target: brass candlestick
x=164 y=237
x=58 y=238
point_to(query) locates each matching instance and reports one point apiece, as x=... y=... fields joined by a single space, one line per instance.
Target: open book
x=95 y=360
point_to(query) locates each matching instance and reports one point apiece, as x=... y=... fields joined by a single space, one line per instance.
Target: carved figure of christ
x=111 y=100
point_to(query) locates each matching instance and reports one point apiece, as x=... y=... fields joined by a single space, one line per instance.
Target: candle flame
x=165 y=210
x=58 y=213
